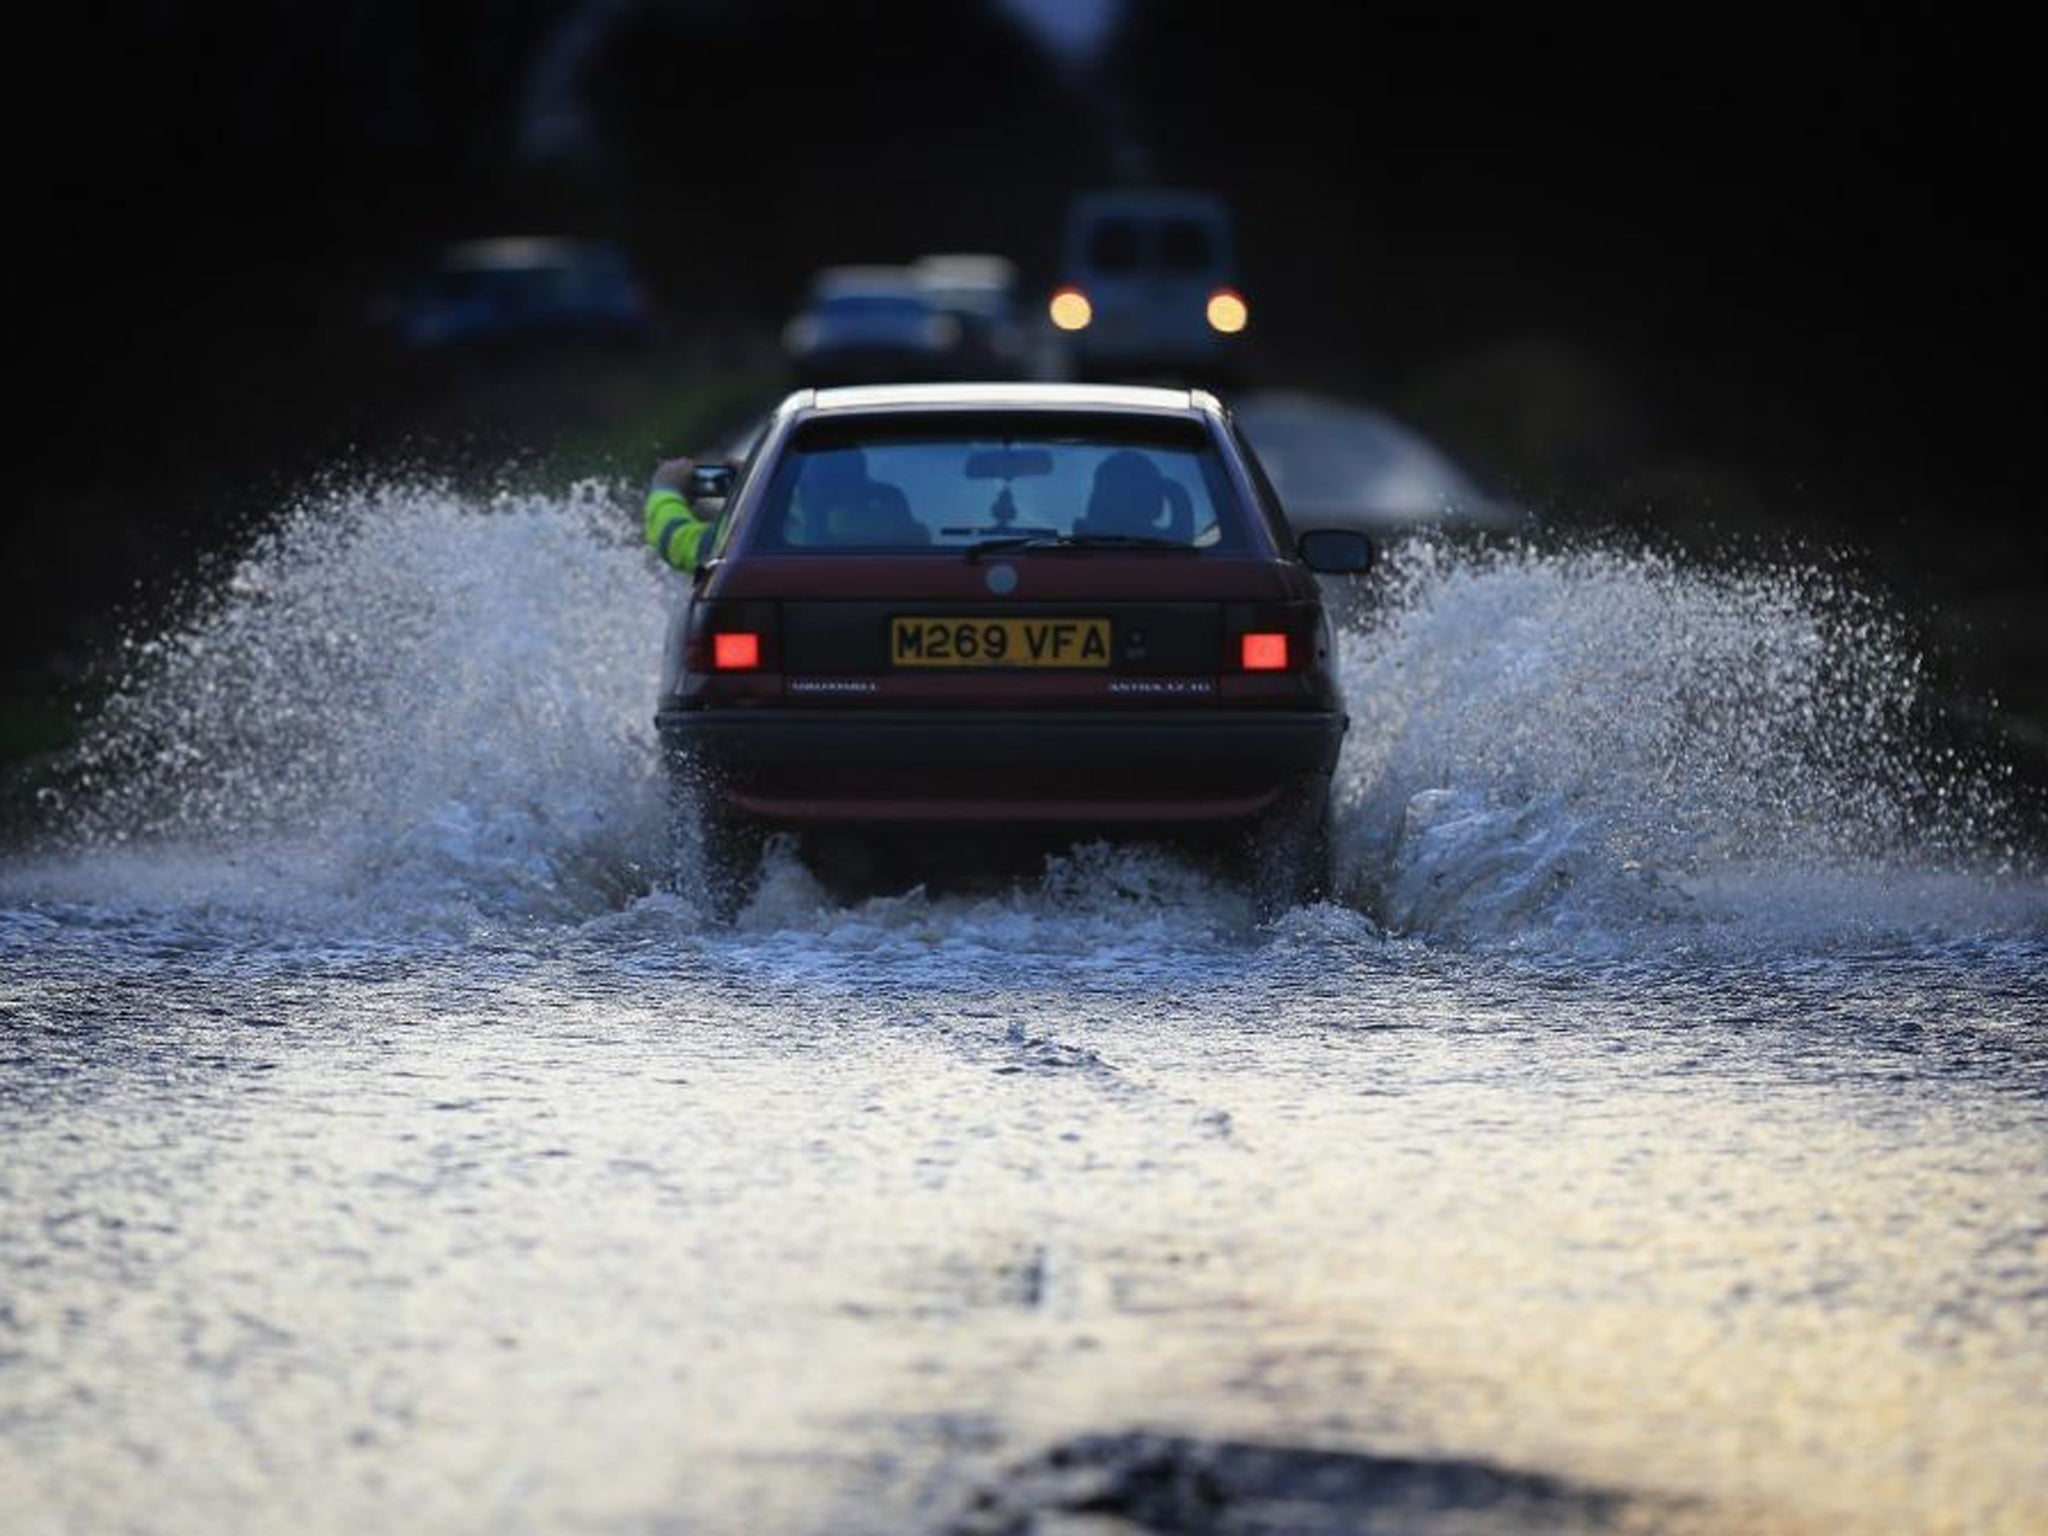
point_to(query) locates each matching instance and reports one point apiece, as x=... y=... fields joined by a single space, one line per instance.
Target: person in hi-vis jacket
x=674 y=529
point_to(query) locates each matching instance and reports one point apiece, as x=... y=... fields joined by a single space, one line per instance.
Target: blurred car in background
x=1338 y=465
x=872 y=325
x=1150 y=288
x=979 y=291
x=1333 y=464
x=522 y=289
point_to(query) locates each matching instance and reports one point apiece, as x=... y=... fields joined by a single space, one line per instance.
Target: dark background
x=1713 y=283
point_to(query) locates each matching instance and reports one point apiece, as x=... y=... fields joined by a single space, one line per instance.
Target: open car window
x=938 y=484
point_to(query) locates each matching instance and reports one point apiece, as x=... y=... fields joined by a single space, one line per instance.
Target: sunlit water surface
x=1661 y=1112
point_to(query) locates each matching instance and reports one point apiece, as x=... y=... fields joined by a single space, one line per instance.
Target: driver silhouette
x=839 y=502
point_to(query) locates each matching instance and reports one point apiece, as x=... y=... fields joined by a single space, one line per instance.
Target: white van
x=1150 y=288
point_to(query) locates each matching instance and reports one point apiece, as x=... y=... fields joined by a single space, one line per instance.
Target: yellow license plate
x=999 y=642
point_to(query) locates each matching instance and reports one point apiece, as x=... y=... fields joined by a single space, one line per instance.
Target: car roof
x=829 y=281
x=965 y=269
x=1129 y=398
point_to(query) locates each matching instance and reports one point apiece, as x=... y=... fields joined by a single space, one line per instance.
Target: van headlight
x=1071 y=310
x=1228 y=311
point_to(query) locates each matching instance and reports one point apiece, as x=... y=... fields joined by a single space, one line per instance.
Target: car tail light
x=1228 y=311
x=1071 y=310
x=735 y=650
x=1263 y=651
x=738 y=640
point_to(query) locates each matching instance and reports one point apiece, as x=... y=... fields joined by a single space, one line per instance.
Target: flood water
x=1653 y=1138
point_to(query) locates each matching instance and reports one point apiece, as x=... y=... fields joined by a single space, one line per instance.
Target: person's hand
x=674 y=475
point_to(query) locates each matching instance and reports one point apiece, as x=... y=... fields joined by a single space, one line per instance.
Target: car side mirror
x=1335 y=551
x=711 y=482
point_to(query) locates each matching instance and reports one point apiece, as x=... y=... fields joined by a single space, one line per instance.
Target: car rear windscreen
x=874 y=306
x=925 y=483
x=1115 y=245
x=1186 y=245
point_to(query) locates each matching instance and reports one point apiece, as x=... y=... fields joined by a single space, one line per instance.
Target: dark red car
x=957 y=606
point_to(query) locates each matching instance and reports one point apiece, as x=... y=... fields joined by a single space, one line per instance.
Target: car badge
x=1002 y=579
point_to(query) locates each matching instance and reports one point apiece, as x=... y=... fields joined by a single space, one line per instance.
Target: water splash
x=408 y=706
x=1589 y=742
x=400 y=693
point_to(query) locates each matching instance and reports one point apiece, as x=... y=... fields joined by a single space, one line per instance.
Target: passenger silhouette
x=1132 y=499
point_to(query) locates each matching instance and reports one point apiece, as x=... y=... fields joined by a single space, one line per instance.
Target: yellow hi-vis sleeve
x=676 y=532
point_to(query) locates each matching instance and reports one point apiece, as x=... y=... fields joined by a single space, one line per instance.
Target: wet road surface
x=1654 y=1137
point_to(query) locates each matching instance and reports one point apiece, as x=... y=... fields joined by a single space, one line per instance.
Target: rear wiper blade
x=1074 y=541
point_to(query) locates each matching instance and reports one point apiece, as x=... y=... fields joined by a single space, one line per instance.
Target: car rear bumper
x=815 y=765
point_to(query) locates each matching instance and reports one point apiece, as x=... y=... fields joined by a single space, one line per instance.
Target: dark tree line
x=1573 y=249
x=209 y=191
x=1806 y=244
x=749 y=144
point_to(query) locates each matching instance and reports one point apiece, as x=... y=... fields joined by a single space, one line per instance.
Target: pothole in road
x=1141 y=1484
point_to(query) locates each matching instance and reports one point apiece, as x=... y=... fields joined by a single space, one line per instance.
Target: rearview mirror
x=1009 y=463
x=1335 y=551
x=711 y=482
